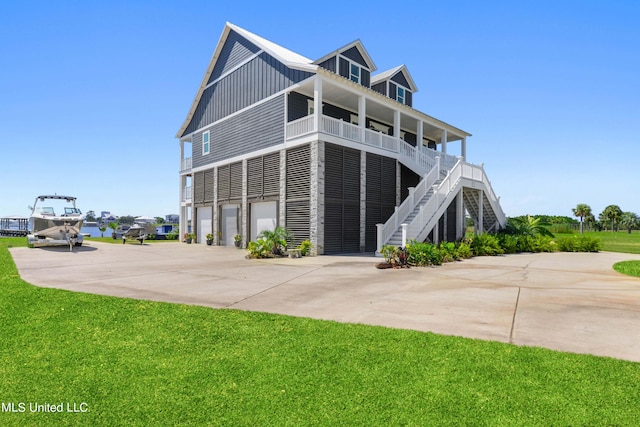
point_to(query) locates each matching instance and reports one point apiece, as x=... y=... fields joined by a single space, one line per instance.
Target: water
x=93 y=231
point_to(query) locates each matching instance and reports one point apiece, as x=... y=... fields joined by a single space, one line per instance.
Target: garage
x=204 y=225
x=229 y=223
x=263 y=217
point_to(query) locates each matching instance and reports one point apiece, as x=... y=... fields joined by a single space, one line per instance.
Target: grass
x=147 y=363
x=620 y=241
x=630 y=268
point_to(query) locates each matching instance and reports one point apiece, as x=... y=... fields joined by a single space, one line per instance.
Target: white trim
x=352 y=63
x=233 y=69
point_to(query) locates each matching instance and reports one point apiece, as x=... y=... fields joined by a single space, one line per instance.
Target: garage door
x=203 y=216
x=229 y=223
x=263 y=217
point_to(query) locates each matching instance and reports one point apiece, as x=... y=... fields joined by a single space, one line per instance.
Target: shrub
x=464 y=250
x=485 y=244
x=509 y=243
x=543 y=244
x=260 y=248
x=448 y=252
x=305 y=247
x=422 y=254
x=578 y=244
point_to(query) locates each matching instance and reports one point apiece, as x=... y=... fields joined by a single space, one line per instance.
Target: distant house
x=172 y=218
x=328 y=149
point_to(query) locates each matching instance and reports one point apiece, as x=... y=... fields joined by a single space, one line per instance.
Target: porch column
x=463 y=149
x=214 y=216
x=317 y=103
x=362 y=116
x=480 y=213
x=419 y=136
x=443 y=141
x=396 y=123
x=460 y=225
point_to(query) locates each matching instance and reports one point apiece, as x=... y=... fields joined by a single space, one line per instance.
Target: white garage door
x=229 y=224
x=203 y=216
x=263 y=217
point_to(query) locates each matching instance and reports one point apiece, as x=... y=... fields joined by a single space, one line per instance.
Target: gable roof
x=388 y=75
x=358 y=45
x=287 y=57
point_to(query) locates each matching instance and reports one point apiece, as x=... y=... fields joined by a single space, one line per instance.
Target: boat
x=50 y=228
x=138 y=231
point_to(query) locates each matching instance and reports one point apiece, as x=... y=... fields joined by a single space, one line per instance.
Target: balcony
x=186 y=165
x=421 y=159
x=186 y=194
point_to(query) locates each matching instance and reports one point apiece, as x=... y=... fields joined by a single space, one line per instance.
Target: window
x=310 y=107
x=400 y=98
x=206 y=144
x=355 y=73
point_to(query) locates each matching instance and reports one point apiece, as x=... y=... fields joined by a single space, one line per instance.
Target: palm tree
x=102 y=229
x=114 y=225
x=612 y=213
x=629 y=220
x=530 y=226
x=582 y=210
x=276 y=239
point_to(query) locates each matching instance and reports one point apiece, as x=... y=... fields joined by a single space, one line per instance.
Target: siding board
x=259 y=78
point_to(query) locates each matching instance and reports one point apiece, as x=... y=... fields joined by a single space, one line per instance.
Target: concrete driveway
x=562 y=301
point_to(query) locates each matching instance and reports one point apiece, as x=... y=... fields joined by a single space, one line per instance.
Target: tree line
x=611 y=218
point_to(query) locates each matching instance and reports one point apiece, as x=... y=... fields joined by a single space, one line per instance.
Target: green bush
x=423 y=254
x=305 y=247
x=464 y=250
x=486 y=244
x=543 y=244
x=578 y=244
x=260 y=248
x=448 y=252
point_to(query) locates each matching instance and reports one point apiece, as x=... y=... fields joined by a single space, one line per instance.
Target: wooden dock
x=14 y=226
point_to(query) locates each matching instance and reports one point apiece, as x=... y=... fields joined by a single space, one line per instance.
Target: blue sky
x=93 y=93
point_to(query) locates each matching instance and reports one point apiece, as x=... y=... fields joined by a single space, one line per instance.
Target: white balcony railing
x=186 y=195
x=186 y=164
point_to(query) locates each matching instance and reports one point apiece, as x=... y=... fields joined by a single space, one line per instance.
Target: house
x=328 y=148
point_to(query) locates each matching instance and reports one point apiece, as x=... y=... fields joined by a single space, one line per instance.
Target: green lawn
x=146 y=363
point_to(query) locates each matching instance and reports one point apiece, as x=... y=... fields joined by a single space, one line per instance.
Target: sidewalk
x=564 y=301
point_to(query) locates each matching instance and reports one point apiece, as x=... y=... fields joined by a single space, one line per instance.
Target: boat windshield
x=47 y=211
x=72 y=211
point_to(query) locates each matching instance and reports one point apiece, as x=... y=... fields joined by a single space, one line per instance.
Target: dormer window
x=355 y=73
x=400 y=98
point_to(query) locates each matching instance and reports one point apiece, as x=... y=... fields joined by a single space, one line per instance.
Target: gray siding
x=380 y=87
x=253 y=129
x=354 y=55
x=401 y=80
x=259 y=78
x=329 y=64
x=235 y=50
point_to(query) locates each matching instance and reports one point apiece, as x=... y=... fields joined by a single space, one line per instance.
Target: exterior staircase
x=421 y=211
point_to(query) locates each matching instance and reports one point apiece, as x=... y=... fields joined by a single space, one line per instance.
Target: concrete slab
x=568 y=302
